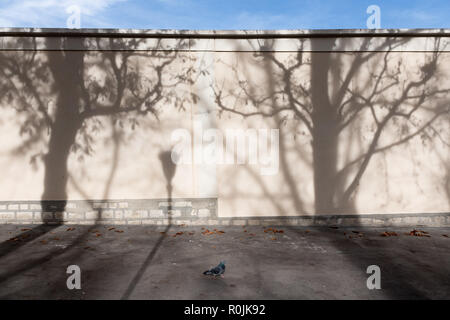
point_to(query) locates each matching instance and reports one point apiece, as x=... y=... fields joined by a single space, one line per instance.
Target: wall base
x=187 y=211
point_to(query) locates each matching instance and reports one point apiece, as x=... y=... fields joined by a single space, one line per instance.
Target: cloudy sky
x=225 y=14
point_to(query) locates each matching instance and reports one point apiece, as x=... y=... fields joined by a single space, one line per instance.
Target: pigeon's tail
x=207 y=272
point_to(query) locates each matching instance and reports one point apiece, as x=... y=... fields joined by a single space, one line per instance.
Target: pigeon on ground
x=216 y=271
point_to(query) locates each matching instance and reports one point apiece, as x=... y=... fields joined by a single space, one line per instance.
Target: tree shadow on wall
x=328 y=93
x=61 y=96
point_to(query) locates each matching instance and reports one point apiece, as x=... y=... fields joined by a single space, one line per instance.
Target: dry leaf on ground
x=388 y=234
x=273 y=230
x=207 y=232
x=418 y=233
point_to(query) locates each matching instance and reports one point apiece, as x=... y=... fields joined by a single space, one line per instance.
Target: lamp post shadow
x=169 y=169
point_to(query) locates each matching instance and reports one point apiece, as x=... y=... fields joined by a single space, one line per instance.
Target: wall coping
x=382 y=40
x=242 y=34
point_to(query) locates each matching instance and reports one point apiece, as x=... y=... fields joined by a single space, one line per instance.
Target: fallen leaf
x=388 y=234
x=70 y=229
x=418 y=233
x=207 y=232
x=273 y=230
x=112 y=228
x=444 y=235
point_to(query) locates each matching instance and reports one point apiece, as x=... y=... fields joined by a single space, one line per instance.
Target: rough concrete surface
x=140 y=262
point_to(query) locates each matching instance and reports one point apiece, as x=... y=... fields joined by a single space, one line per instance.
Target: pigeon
x=216 y=271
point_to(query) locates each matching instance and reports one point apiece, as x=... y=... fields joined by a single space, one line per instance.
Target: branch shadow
x=79 y=98
x=331 y=104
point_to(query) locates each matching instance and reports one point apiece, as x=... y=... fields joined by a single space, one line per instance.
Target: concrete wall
x=361 y=123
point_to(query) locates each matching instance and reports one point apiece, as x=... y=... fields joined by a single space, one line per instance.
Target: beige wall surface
x=336 y=126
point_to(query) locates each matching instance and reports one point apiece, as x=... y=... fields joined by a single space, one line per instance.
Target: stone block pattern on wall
x=185 y=212
x=142 y=211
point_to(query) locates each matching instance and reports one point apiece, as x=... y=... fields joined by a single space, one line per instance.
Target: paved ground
x=297 y=263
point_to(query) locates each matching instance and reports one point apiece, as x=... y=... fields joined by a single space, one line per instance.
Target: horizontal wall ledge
x=173 y=33
x=223 y=41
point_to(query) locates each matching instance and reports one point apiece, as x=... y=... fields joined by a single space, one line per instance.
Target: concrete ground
x=137 y=262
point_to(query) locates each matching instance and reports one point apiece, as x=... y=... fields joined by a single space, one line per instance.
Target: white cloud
x=50 y=13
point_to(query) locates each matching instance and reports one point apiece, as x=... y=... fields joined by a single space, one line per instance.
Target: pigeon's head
x=222 y=263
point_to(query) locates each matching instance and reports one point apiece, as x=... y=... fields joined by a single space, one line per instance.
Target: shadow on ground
x=299 y=263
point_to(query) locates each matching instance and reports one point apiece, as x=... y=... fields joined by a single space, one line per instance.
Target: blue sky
x=225 y=14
